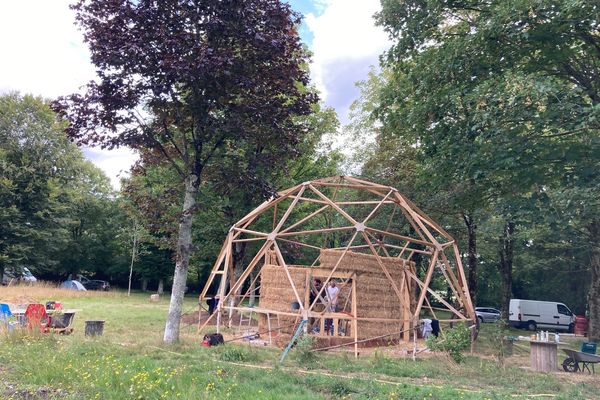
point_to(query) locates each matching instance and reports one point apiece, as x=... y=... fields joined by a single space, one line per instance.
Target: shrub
x=236 y=354
x=303 y=351
x=453 y=341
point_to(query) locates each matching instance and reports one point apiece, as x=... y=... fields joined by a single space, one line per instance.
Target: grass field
x=130 y=362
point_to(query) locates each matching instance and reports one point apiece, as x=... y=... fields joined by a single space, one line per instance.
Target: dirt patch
x=12 y=392
x=192 y=318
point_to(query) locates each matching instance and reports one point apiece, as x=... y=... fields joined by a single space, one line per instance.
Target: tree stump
x=94 y=328
x=543 y=356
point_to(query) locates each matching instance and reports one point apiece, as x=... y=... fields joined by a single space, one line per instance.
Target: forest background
x=485 y=114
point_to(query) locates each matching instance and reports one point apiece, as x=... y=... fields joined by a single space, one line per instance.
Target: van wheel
x=531 y=326
x=480 y=318
x=571 y=328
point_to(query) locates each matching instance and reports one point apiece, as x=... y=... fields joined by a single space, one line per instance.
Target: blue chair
x=6 y=316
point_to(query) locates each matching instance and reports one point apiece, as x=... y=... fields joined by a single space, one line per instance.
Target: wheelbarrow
x=578 y=361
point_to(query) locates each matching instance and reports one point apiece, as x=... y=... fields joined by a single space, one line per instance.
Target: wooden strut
x=332 y=271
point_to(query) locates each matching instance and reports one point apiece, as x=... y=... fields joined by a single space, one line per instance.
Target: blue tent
x=73 y=285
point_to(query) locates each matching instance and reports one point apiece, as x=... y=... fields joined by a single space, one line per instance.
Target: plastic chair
x=37 y=318
x=6 y=316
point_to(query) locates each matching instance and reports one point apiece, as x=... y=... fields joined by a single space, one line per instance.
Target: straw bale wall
x=375 y=295
x=277 y=294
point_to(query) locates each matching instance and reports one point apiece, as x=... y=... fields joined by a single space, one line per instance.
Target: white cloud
x=344 y=33
x=115 y=163
x=43 y=54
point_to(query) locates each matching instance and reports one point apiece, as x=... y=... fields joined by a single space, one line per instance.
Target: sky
x=43 y=54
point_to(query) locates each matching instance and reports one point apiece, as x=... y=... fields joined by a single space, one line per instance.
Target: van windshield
x=563 y=310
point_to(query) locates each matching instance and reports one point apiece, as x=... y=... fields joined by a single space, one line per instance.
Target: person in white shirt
x=332 y=298
x=332 y=295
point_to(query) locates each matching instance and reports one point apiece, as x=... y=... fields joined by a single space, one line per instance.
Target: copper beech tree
x=191 y=82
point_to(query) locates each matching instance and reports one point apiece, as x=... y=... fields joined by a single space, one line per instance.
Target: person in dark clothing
x=435 y=327
x=212 y=304
x=317 y=285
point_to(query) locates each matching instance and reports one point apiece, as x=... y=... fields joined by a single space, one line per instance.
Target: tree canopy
x=198 y=84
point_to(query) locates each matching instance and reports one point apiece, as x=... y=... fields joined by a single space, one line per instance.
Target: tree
x=57 y=214
x=190 y=81
x=226 y=195
x=35 y=164
x=502 y=97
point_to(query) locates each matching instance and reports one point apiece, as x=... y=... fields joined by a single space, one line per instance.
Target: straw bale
x=375 y=296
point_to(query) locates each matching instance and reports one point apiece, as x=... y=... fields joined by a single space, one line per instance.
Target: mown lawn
x=130 y=362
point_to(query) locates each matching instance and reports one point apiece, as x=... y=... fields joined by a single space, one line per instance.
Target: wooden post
x=354 y=317
x=426 y=284
x=543 y=356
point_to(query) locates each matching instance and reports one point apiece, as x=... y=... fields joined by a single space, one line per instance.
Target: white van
x=534 y=314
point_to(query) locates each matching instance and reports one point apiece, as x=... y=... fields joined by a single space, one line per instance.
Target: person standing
x=332 y=296
x=332 y=299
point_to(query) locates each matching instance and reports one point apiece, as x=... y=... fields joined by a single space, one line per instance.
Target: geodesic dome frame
x=373 y=223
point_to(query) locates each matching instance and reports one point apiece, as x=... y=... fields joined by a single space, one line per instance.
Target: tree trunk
x=239 y=250
x=594 y=295
x=252 y=297
x=144 y=284
x=472 y=260
x=161 y=286
x=505 y=266
x=184 y=248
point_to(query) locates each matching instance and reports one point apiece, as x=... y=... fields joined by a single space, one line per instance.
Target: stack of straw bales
x=375 y=295
x=277 y=294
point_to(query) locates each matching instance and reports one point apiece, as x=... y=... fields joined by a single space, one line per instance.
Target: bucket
x=581 y=325
x=94 y=328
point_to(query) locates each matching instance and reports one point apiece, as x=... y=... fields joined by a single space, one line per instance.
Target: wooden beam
x=215 y=268
x=427 y=281
x=355 y=315
x=248 y=270
x=333 y=270
x=425 y=217
x=345 y=185
x=437 y=296
x=418 y=220
x=314 y=231
x=470 y=309
x=255 y=239
x=451 y=278
x=365 y=202
x=317 y=201
x=377 y=207
x=303 y=220
x=299 y=243
x=401 y=237
x=287 y=273
x=333 y=205
x=266 y=205
x=385 y=271
x=364 y=182
x=251 y=232
x=289 y=210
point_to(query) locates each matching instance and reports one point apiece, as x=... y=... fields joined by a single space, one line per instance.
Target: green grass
x=129 y=362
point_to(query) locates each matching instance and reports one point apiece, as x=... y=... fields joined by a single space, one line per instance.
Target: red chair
x=37 y=318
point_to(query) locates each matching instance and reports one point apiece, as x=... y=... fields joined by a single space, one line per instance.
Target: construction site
x=349 y=262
